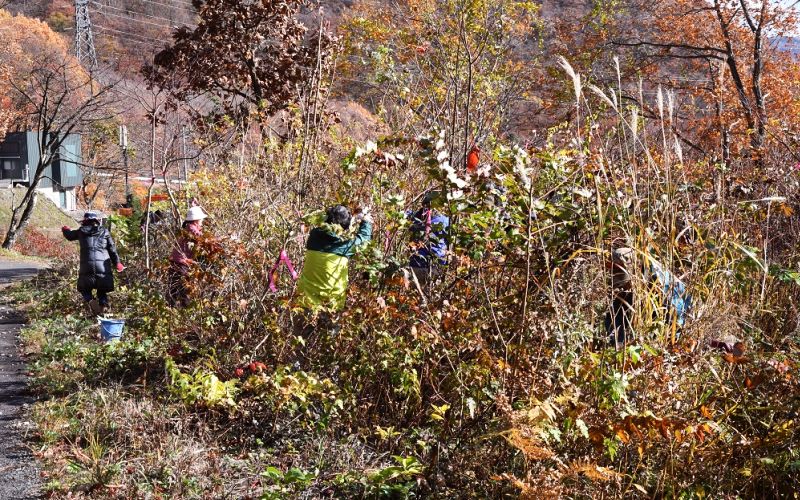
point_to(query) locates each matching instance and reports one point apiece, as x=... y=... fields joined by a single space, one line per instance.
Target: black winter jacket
x=98 y=257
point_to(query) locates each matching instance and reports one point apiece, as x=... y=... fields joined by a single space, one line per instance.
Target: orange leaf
x=700 y=434
x=735 y=360
x=472 y=159
x=752 y=383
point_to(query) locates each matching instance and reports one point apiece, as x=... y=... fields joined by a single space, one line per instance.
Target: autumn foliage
x=26 y=42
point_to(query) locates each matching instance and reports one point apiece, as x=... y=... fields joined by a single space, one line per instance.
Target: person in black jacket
x=98 y=255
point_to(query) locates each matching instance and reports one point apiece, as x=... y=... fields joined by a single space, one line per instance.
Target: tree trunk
x=17 y=224
x=153 y=125
x=753 y=118
x=759 y=137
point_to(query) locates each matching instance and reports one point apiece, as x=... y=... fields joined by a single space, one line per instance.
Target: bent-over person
x=324 y=279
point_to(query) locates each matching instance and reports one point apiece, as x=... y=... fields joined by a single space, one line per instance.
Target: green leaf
x=785 y=275
x=273 y=473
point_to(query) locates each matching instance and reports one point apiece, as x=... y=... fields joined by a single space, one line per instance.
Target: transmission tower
x=84 y=42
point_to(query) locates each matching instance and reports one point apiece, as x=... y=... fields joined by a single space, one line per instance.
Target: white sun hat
x=196 y=213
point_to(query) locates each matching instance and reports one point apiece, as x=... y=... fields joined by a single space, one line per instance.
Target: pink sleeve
x=181 y=254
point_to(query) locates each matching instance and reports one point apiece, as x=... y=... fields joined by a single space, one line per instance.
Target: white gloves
x=366 y=215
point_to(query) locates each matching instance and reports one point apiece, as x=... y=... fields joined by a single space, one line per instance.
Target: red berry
x=238 y=372
x=252 y=367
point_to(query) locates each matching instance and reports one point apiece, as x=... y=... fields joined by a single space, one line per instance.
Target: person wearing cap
x=98 y=256
x=182 y=257
x=625 y=264
x=618 y=317
x=429 y=237
x=324 y=279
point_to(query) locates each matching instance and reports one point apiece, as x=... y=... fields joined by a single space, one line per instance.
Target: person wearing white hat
x=196 y=214
x=182 y=256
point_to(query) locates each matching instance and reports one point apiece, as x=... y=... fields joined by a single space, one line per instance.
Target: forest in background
x=667 y=127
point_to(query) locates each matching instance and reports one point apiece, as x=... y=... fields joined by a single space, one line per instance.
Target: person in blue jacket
x=429 y=237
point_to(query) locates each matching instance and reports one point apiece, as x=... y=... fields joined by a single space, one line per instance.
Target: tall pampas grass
x=577 y=87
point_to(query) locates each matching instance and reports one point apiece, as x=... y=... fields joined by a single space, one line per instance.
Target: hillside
x=126 y=32
x=131 y=31
x=43 y=237
x=47 y=216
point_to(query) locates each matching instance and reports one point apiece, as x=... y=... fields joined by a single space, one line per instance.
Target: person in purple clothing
x=429 y=236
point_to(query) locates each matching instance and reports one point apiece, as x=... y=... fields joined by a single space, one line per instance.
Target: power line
x=121 y=38
x=145 y=47
x=170 y=6
x=108 y=32
x=131 y=12
x=172 y=23
x=127 y=33
x=180 y=1
x=108 y=14
x=130 y=34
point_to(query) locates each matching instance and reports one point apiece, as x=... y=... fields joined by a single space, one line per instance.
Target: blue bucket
x=111 y=329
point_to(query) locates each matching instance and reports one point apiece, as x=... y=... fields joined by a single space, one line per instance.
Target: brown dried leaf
x=592 y=471
x=528 y=443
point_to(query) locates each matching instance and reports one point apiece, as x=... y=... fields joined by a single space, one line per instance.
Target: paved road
x=19 y=472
